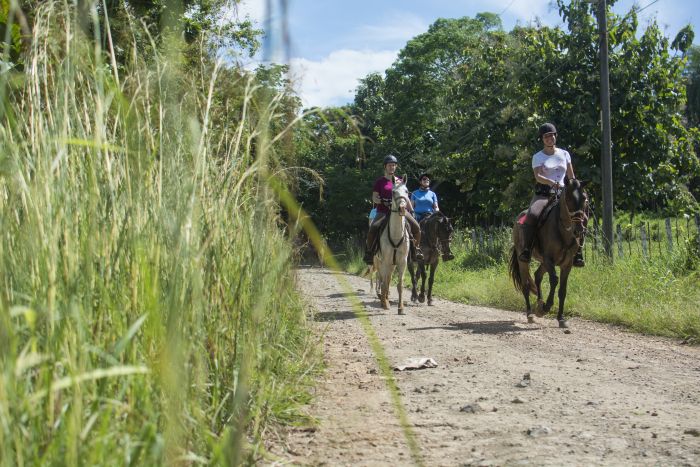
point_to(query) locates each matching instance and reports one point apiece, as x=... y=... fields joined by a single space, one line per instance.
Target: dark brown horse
x=557 y=240
x=436 y=235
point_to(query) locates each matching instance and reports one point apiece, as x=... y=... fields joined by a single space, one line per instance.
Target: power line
x=644 y=8
x=509 y=5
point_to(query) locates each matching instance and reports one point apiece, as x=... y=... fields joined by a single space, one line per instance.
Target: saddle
x=551 y=204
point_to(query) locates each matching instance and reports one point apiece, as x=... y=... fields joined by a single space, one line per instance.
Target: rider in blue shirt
x=424 y=200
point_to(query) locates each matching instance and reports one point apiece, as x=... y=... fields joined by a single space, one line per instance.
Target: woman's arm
x=539 y=178
x=570 y=171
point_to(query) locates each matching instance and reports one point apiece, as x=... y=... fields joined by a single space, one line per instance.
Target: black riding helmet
x=423 y=175
x=547 y=128
x=389 y=159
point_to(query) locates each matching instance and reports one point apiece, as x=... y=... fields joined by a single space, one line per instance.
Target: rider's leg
x=415 y=231
x=370 y=246
x=578 y=257
x=529 y=226
x=447 y=254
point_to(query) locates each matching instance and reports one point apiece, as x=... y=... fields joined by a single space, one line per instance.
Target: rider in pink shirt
x=381 y=197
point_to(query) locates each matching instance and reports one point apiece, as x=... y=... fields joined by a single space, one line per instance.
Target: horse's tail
x=514 y=270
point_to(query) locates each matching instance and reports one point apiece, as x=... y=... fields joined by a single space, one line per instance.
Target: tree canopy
x=464 y=101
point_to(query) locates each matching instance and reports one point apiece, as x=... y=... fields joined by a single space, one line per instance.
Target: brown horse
x=436 y=235
x=557 y=241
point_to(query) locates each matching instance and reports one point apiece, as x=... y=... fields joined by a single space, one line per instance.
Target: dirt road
x=596 y=396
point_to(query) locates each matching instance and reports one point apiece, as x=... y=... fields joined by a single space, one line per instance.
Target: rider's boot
x=416 y=243
x=448 y=256
x=419 y=253
x=528 y=236
x=578 y=259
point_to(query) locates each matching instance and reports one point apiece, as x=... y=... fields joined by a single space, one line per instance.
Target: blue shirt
x=423 y=202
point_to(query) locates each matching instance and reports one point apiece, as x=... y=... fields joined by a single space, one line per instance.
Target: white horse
x=393 y=246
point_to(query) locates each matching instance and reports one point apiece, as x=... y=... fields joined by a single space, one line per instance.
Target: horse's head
x=444 y=227
x=439 y=229
x=399 y=198
x=575 y=200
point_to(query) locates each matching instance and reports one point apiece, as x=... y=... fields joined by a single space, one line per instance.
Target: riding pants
x=537 y=205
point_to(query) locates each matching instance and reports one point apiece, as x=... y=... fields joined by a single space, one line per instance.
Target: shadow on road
x=480 y=327
x=334 y=315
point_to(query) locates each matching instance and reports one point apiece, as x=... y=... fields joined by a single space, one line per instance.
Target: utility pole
x=606 y=151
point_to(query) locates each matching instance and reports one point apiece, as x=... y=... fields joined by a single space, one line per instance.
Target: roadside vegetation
x=657 y=295
x=147 y=309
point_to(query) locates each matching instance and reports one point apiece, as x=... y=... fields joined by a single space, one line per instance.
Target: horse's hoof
x=401 y=311
x=563 y=324
x=414 y=298
x=430 y=302
x=530 y=319
x=421 y=298
x=540 y=309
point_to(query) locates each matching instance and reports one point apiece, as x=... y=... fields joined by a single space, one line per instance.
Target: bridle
x=400 y=210
x=576 y=218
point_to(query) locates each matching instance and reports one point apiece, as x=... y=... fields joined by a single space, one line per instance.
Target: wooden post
x=473 y=239
x=629 y=240
x=481 y=241
x=620 y=243
x=595 y=235
x=669 y=234
x=643 y=235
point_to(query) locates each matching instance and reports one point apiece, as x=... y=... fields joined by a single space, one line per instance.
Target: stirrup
x=368 y=258
x=448 y=256
x=578 y=260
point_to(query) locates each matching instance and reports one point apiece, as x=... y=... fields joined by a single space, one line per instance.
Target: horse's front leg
x=562 y=295
x=399 y=287
x=433 y=267
x=412 y=272
x=423 y=276
x=553 y=281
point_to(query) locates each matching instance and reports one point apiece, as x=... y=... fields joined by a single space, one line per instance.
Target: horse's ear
x=583 y=183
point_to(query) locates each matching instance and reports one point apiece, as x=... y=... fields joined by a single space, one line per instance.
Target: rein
x=576 y=218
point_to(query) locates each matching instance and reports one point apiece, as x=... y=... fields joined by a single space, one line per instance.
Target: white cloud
x=333 y=79
x=400 y=27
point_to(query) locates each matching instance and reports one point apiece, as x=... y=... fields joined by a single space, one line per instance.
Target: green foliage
x=463 y=101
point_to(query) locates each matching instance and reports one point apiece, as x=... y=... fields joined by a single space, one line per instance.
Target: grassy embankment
x=147 y=312
x=659 y=296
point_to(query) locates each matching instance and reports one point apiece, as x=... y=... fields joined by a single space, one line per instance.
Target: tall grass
x=147 y=314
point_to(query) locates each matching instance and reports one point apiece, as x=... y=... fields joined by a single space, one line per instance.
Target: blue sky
x=333 y=43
